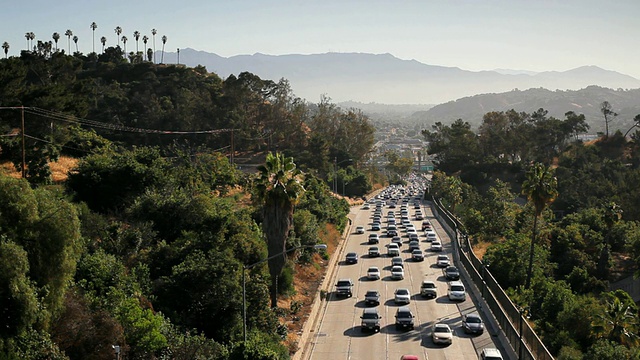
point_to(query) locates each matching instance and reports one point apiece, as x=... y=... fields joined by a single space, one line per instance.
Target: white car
x=373 y=273
x=457 y=291
x=442 y=334
x=402 y=296
x=393 y=250
x=436 y=246
x=431 y=235
x=359 y=229
x=443 y=261
x=397 y=272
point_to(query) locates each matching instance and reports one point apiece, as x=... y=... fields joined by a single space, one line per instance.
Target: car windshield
x=457 y=288
x=473 y=319
x=351 y=255
x=371 y=293
x=428 y=285
x=402 y=292
x=373 y=269
x=343 y=283
x=452 y=270
x=441 y=329
x=369 y=316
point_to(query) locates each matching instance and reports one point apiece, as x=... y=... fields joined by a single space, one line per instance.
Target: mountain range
x=386 y=79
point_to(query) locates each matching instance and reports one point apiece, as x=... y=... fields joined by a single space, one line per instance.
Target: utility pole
x=335 y=174
x=24 y=162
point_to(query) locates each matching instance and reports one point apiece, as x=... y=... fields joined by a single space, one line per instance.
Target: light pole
x=244 y=282
x=335 y=173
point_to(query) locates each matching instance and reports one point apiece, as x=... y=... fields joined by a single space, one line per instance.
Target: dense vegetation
x=579 y=212
x=145 y=244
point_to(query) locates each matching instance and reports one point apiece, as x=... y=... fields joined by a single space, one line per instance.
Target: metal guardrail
x=522 y=337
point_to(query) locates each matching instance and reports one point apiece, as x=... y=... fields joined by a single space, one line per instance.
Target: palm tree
x=136 y=35
x=618 y=323
x=56 y=37
x=93 y=26
x=144 y=40
x=154 y=32
x=68 y=34
x=118 y=31
x=609 y=115
x=75 y=40
x=279 y=190
x=5 y=47
x=164 y=41
x=540 y=187
x=124 y=44
x=32 y=37
x=103 y=40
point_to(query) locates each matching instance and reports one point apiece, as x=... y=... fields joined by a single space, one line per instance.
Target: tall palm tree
x=32 y=37
x=94 y=26
x=164 y=41
x=27 y=36
x=144 y=40
x=5 y=47
x=56 y=37
x=136 y=35
x=540 y=187
x=278 y=189
x=103 y=40
x=124 y=44
x=153 y=33
x=118 y=31
x=68 y=34
x=75 y=40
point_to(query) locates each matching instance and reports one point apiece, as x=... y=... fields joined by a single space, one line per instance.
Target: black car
x=352 y=258
x=404 y=318
x=452 y=273
x=472 y=324
x=372 y=297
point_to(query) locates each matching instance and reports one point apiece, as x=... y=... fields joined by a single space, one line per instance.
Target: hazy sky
x=535 y=35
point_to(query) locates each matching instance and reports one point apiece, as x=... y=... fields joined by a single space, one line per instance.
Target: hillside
x=585 y=101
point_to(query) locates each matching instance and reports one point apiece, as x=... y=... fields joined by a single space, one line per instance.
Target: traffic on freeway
x=397 y=290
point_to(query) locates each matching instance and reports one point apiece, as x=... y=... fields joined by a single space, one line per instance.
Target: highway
x=339 y=334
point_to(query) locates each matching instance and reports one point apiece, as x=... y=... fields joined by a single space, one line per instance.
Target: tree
x=68 y=34
x=136 y=35
x=145 y=38
x=636 y=123
x=118 y=31
x=278 y=189
x=164 y=41
x=153 y=33
x=540 y=187
x=75 y=41
x=609 y=115
x=619 y=322
x=93 y=27
x=5 y=47
x=56 y=37
x=28 y=37
x=103 y=40
x=124 y=44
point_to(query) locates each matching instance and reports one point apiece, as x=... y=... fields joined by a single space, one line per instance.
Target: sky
x=533 y=35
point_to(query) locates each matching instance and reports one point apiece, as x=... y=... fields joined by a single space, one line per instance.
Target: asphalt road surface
x=340 y=335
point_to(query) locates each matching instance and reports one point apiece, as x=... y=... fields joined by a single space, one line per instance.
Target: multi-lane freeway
x=339 y=334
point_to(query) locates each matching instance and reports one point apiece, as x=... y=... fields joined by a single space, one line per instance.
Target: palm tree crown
x=68 y=34
x=118 y=31
x=93 y=27
x=56 y=37
x=5 y=47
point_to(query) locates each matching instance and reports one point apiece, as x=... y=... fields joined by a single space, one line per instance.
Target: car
x=416 y=206
x=402 y=296
x=366 y=207
x=411 y=228
x=405 y=222
x=391 y=221
x=375 y=226
x=419 y=216
x=457 y=291
x=397 y=240
x=404 y=318
x=397 y=272
x=426 y=225
x=431 y=235
x=417 y=255
x=370 y=320
x=372 y=297
x=443 y=261
x=414 y=244
x=351 y=258
x=472 y=323
x=343 y=287
x=442 y=334
x=452 y=273
x=436 y=246
x=374 y=238
x=490 y=354
x=397 y=261
x=413 y=236
x=391 y=231
x=373 y=273
x=373 y=251
x=359 y=229
x=428 y=289
x=393 y=250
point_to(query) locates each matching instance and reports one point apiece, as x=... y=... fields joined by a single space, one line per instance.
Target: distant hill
x=385 y=79
x=585 y=101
